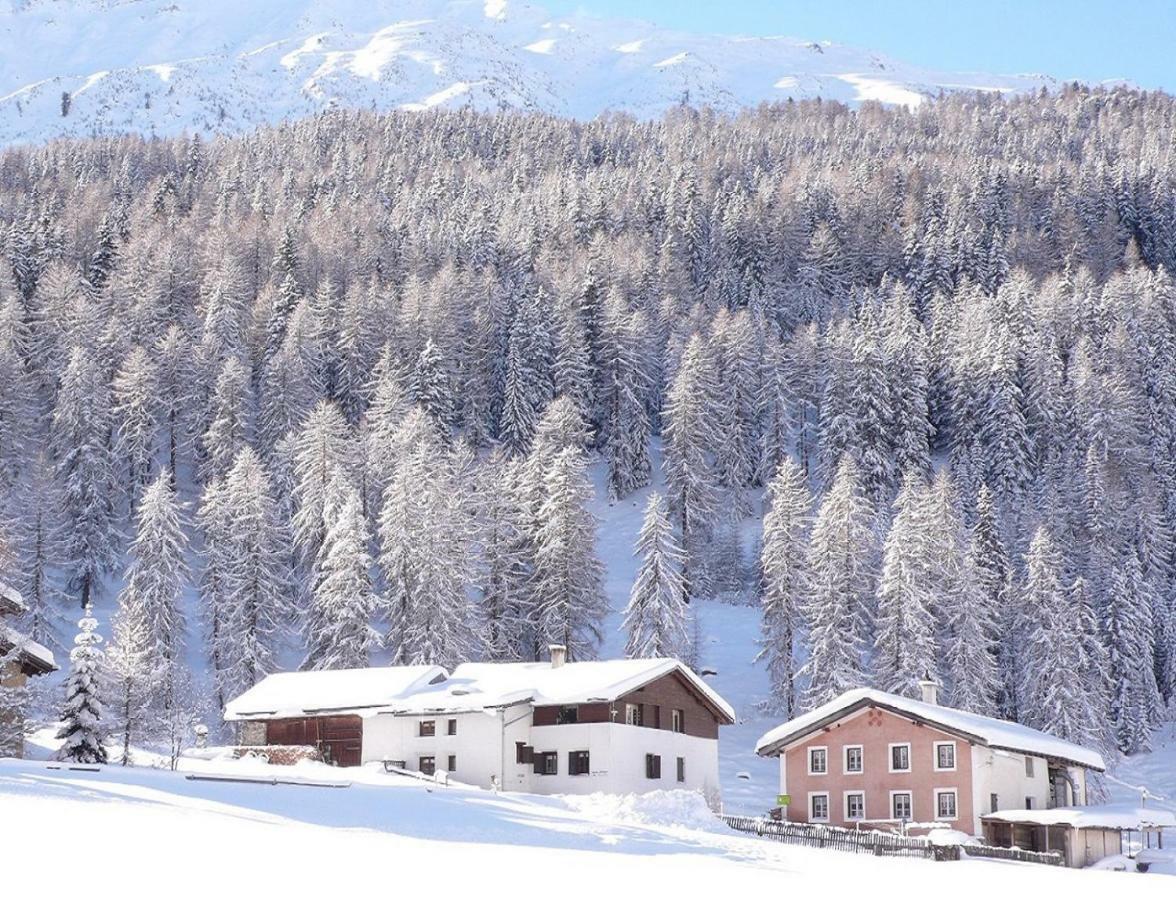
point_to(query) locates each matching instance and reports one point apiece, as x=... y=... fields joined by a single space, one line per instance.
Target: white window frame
x=955 y=794
x=632 y=714
x=845 y=769
x=890 y=758
x=677 y=723
x=809 y=760
x=893 y=815
x=954 y=758
x=845 y=805
x=828 y=809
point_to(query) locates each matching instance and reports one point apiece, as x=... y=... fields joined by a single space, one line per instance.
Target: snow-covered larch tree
x=656 y=617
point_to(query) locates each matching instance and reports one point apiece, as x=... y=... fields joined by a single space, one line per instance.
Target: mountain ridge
x=164 y=67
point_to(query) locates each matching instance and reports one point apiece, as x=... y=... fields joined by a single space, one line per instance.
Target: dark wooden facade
x=657 y=700
x=338 y=738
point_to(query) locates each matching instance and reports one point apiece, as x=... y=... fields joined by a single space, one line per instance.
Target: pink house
x=877 y=759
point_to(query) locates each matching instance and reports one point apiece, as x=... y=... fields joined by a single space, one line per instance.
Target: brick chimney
x=559 y=655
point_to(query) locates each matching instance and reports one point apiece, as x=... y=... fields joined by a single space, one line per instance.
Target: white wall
x=485 y=748
x=1003 y=773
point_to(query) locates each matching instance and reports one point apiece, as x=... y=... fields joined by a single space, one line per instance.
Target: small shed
x=1082 y=834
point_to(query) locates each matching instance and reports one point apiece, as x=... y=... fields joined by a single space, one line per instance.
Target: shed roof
x=1118 y=816
x=991 y=732
x=36 y=659
x=290 y=694
x=476 y=686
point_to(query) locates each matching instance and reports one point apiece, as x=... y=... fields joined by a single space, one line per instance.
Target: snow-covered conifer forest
x=344 y=382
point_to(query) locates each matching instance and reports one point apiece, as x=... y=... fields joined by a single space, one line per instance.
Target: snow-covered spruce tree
x=905 y=651
x=691 y=484
x=841 y=561
x=256 y=601
x=157 y=573
x=230 y=418
x=568 y=576
x=656 y=617
x=1135 y=698
x=990 y=569
x=429 y=387
x=529 y=383
x=783 y=559
x=83 y=728
x=626 y=419
x=322 y=448
x=1055 y=643
x=80 y=440
x=338 y=633
x=734 y=348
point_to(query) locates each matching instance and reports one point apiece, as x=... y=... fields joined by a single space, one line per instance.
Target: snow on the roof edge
x=1107 y=815
x=994 y=732
x=27 y=646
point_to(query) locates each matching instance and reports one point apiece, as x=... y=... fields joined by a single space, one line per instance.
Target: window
x=819 y=807
x=428 y=765
x=853 y=760
x=451 y=727
x=578 y=762
x=1028 y=768
x=900 y=805
x=547 y=763
x=1028 y=803
x=900 y=757
x=428 y=728
x=524 y=753
x=945 y=804
x=452 y=766
x=945 y=756
x=993 y=804
x=632 y=713
x=681 y=768
x=652 y=765
x=567 y=715
x=678 y=721
x=818 y=758
x=855 y=805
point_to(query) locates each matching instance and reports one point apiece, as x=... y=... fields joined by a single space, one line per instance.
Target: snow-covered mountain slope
x=142 y=833
x=82 y=67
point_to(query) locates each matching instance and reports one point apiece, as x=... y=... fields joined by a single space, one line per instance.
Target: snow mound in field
x=684 y=809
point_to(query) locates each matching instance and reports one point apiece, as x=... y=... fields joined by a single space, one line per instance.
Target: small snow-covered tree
x=656 y=617
x=783 y=558
x=82 y=730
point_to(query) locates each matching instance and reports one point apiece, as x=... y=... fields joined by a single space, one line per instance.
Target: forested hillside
x=346 y=376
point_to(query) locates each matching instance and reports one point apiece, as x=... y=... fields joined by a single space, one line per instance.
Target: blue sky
x=1090 y=40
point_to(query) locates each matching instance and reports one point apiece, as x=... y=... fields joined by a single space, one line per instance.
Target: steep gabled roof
x=475 y=686
x=34 y=658
x=293 y=694
x=995 y=733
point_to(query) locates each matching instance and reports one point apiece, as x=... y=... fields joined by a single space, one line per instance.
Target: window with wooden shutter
x=547 y=763
x=652 y=765
x=524 y=753
x=428 y=765
x=428 y=728
x=578 y=763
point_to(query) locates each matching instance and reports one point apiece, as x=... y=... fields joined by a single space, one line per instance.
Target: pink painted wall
x=875 y=729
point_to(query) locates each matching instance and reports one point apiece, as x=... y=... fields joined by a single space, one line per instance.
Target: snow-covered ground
x=139 y=833
x=78 y=67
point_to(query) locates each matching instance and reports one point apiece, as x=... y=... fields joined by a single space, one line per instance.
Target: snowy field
x=138 y=833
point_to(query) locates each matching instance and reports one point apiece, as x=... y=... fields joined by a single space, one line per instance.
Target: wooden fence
x=875 y=842
x=1050 y=858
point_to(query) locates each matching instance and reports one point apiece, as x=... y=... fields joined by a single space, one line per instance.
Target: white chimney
x=930 y=688
x=559 y=655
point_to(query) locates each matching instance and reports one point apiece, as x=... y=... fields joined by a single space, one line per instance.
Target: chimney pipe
x=559 y=655
x=930 y=688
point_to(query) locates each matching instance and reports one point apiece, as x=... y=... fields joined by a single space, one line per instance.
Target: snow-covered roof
x=995 y=733
x=287 y=694
x=475 y=686
x=10 y=599
x=1122 y=816
x=34 y=654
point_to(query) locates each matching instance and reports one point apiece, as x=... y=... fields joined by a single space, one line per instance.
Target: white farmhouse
x=619 y=726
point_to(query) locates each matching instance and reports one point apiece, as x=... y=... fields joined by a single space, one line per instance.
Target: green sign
x=783 y=799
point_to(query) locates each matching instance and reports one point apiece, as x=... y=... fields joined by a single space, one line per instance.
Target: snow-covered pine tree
x=339 y=634
x=841 y=561
x=1135 y=697
x=568 y=576
x=783 y=560
x=905 y=651
x=657 y=616
x=80 y=439
x=83 y=727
